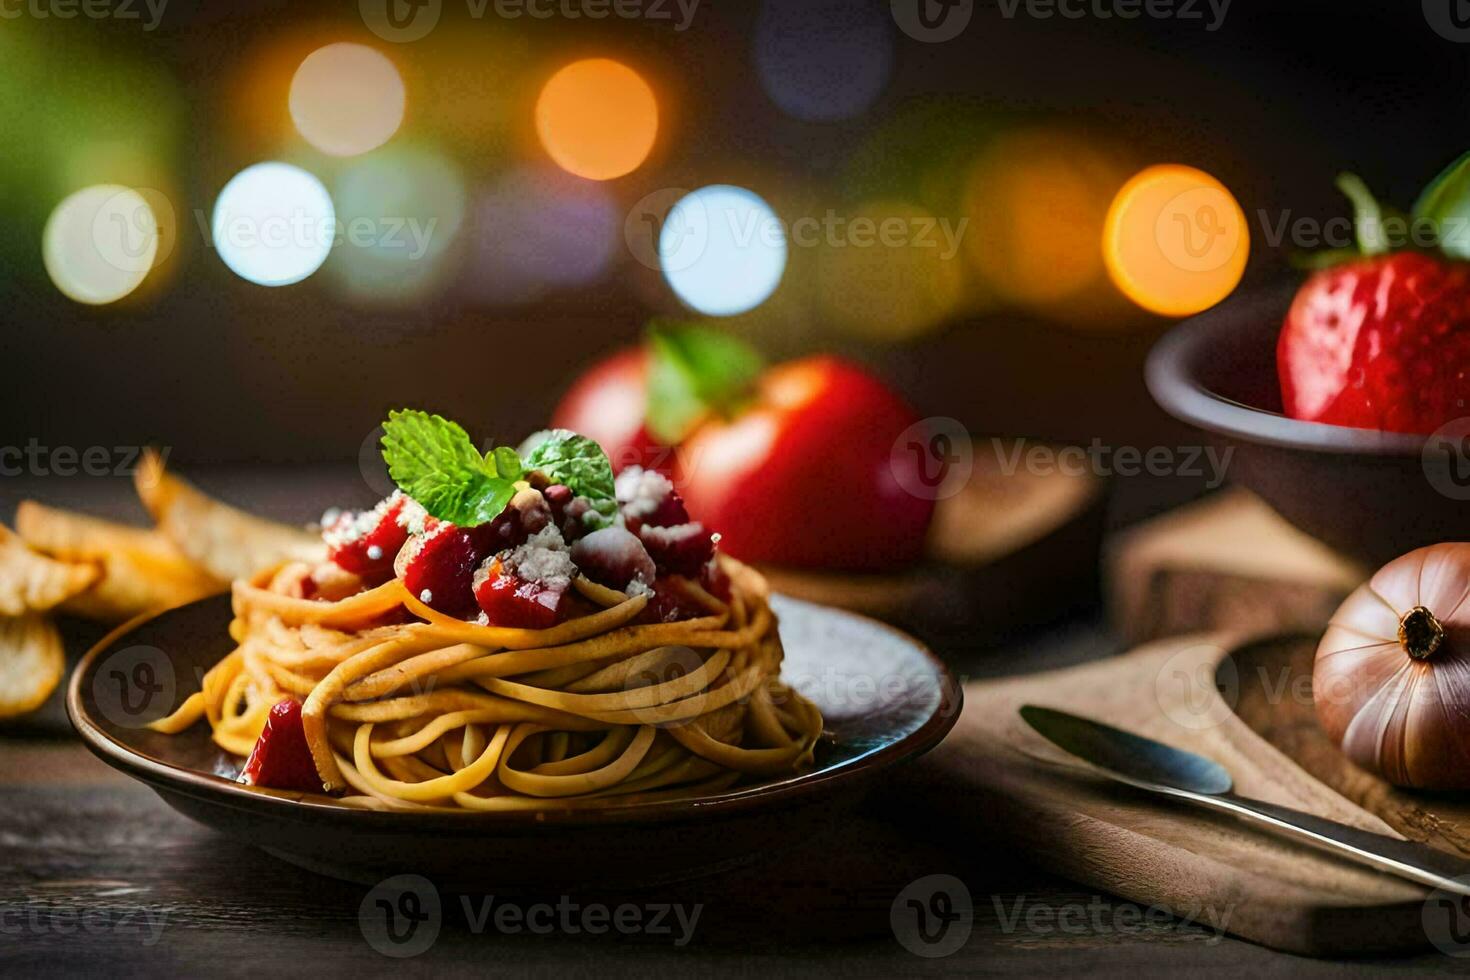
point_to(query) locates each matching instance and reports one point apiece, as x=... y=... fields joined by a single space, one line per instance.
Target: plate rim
x=795 y=789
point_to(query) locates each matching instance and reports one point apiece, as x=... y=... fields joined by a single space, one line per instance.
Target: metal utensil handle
x=1407 y=859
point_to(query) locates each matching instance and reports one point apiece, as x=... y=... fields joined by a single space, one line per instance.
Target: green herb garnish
x=563 y=456
x=433 y=461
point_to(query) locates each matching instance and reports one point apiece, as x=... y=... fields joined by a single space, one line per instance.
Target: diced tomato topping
x=681 y=549
x=366 y=543
x=438 y=566
x=647 y=497
x=281 y=758
x=509 y=600
x=671 y=602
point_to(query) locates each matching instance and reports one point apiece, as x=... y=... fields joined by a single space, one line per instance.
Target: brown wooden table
x=98 y=876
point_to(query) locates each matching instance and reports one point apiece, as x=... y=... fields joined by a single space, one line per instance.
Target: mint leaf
x=1367 y=215
x=563 y=456
x=692 y=372
x=433 y=461
x=1445 y=203
x=507 y=463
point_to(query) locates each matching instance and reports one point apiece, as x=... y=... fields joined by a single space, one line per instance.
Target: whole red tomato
x=806 y=475
x=607 y=404
x=1379 y=343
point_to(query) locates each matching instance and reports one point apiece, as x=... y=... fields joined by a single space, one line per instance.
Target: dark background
x=1274 y=103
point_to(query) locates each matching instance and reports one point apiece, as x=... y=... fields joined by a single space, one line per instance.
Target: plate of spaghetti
x=516 y=668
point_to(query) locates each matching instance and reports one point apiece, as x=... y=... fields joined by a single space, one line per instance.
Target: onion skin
x=1404 y=716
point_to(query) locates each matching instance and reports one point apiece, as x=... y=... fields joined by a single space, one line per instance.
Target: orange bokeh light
x=1037 y=200
x=1175 y=241
x=597 y=118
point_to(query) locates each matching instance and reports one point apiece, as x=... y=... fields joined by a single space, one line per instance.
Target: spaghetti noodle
x=437 y=711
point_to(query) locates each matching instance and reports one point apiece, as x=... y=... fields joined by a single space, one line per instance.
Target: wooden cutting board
x=1208 y=868
x=1273 y=679
x=1225 y=562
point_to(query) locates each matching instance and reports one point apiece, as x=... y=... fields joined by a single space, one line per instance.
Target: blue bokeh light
x=274 y=224
x=723 y=250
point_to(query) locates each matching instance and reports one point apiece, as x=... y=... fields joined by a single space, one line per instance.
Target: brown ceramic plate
x=885 y=697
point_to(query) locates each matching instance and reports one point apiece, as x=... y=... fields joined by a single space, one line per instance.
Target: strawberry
x=366 y=543
x=1379 y=343
x=281 y=758
x=1382 y=341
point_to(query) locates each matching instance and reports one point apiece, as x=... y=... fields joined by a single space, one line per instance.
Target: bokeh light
x=539 y=228
x=400 y=212
x=1036 y=200
x=347 y=99
x=273 y=224
x=100 y=243
x=891 y=271
x=1176 y=240
x=597 y=119
x=723 y=250
x=823 y=60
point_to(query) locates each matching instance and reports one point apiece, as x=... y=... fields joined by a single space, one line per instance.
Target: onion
x=1391 y=681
